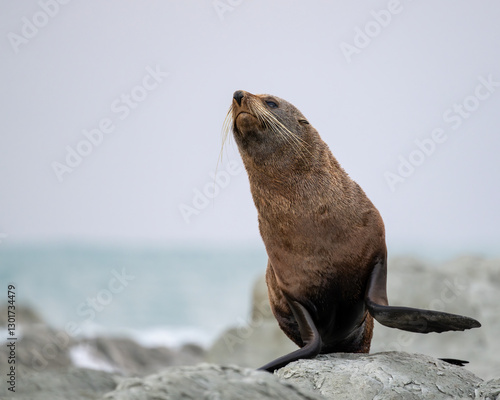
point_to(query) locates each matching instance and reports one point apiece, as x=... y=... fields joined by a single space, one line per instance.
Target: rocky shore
x=401 y=366
x=391 y=375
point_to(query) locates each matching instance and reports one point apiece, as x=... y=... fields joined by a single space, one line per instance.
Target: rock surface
x=208 y=381
x=24 y=315
x=391 y=375
x=38 y=348
x=63 y=384
x=125 y=356
x=489 y=390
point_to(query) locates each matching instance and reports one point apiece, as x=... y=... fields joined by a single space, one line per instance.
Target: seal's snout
x=238 y=95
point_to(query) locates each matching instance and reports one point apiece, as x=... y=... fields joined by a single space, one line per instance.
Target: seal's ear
x=405 y=318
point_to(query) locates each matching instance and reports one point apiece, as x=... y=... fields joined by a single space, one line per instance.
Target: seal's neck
x=296 y=179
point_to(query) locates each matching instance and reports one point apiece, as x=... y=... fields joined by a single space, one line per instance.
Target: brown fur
x=322 y=234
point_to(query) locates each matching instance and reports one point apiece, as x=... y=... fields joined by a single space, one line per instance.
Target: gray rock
x=256 y=340
x=24 y=315
x=390 y=375
x=127 y=357
x=260 y=300
x=62 y=384
x=210 y=382
x=38 y=348
x=489 y=390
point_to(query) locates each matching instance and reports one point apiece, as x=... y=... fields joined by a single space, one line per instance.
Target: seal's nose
x=238 y=95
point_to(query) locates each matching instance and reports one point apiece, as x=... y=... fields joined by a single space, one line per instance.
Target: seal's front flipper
x=406 y=318
x=309 y=335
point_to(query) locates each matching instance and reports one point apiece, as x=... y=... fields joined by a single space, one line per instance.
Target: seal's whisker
x=226 y=129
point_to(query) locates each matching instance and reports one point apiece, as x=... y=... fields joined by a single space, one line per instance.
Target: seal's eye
x=271 y=104
x=303 y=121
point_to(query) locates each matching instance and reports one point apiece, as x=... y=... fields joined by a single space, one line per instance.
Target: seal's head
x=268 y=128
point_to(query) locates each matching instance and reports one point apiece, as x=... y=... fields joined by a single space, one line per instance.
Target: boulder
x=125 y=356
x=60 y=384
x=39 y=347
x=391 y=375
x=209 y=381
x=256 y=340
x=24 y=315
x=489 y=390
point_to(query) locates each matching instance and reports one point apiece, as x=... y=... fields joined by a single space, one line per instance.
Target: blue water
x=144 y=291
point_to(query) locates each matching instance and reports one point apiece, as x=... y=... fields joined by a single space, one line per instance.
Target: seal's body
x=325 y=240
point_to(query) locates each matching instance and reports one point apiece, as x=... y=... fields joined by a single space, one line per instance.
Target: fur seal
x=327 y=267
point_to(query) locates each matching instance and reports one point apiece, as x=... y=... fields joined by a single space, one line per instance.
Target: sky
x=112 y=115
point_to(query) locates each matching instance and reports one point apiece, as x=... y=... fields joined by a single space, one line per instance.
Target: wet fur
x=320 y=230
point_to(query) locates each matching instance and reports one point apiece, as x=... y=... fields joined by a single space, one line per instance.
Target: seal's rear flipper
x=408 y=319
x=416 y=320
x=309 y=335
x=453 y=361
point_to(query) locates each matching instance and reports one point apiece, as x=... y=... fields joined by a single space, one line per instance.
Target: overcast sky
x=406 y=94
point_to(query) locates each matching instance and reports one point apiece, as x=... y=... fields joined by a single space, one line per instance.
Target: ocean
x=155 y=296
